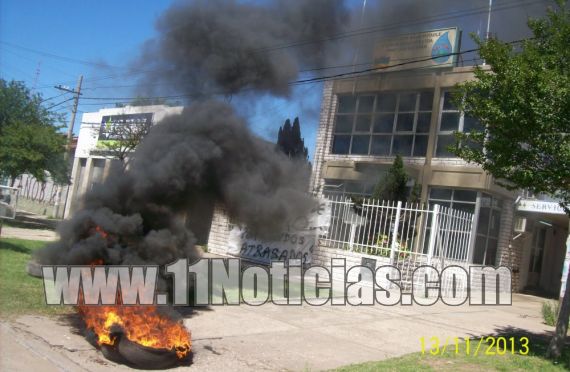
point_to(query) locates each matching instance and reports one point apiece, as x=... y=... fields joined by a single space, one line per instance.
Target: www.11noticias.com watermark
x=227 y=282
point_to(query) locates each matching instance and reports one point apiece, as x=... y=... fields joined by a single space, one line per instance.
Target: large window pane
x=405 y=122
x=341 y=144
x=346 y=104
x=343 y=124
x=383 y=123
x=440 y=193
x=360 y=145
x=443 y=141
x=483 y=223
x=424 y=119
x=480 y=245
x=365 y=104
x=420 y=146
x=465 y=195
x=491 y=253
x=449 y=121
x=447 y=101
x=386 y=102
x=495 y=223
x=402 y=145
x=426 y=101
x=380 y=145
x=465 y=207
x=470 y=123
x=407 y=102
x=363 y=123
x=353 y=187
x=469 y=143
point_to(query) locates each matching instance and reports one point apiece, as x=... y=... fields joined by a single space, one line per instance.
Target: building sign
x=111 y=126
x=539 y=206
x=429 y=49
x=297 y=242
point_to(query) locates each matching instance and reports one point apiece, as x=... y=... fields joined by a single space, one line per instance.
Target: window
x=463 y=200
x=451 y=120
x=488 y=227
x=97 y=172
x=346 y=187
x=488 y=209
x=384 y=124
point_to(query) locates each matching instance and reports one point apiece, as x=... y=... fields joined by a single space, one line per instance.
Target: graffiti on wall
x=297 y=242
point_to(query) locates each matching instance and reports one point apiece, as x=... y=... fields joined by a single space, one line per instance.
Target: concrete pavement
x=29 y=234
x=272 y=337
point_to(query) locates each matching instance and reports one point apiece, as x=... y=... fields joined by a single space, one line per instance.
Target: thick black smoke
x=224 y=46
x=206 y=152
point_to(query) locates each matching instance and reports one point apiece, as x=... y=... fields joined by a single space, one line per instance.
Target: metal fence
x=408 y=234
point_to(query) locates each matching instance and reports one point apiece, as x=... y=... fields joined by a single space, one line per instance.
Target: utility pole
x=77 y=93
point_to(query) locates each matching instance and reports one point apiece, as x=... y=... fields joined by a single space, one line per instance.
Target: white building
x=91 y=162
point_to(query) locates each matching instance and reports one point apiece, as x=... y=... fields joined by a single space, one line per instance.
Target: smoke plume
x=225 y=46
x=205 y=47
x=206 y=152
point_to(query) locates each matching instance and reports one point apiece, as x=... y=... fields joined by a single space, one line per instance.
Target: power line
x=348 y=34
x=60 y=103
x=56 y=56
x=396 y=25
x=311 y=80
x=50 y=98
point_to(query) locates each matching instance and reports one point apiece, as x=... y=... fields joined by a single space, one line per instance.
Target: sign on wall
x=429 y=49
x=110 y=126
x=539 y=206
x=297 y=242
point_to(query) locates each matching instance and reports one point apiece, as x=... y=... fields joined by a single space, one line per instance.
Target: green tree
x=29 y=137
x=523 y=104
x=289 y=140
x=393 y=186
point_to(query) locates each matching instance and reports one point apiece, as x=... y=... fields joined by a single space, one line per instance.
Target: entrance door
x=536 y=253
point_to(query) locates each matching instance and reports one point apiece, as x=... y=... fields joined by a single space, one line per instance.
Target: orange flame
x=141 y=324
x=103 y=233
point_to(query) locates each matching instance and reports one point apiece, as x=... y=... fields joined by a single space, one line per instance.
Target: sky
x=51 y=43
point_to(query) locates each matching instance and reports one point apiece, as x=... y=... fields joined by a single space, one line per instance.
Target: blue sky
x=110 y=33
x=99 y=38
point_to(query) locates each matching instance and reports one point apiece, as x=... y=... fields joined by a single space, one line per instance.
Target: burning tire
x=127 y=352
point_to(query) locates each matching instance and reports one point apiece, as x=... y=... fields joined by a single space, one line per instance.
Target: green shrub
x=550 y=312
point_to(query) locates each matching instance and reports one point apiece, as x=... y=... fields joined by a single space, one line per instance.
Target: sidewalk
x=28 y=234
x=30 y=226
x=272 y=337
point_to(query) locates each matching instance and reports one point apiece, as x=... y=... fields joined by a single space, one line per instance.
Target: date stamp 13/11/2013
x=490 y=345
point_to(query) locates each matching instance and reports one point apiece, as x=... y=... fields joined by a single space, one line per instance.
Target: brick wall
x=219 y=232
x=508 y=254
x=322 y=256
x=324 y=135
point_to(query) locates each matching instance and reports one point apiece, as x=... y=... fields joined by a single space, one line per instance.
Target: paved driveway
x=272 y=337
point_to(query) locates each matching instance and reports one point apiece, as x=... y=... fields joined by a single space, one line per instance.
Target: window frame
x=441 y=133
x=495 y=205
x=394 y=132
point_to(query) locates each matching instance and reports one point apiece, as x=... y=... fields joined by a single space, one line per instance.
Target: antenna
x=488 y=33
x=357 y=49
x=37 y=75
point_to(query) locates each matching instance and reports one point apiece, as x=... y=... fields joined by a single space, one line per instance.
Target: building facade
x=366 y=121
x=91 y=161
